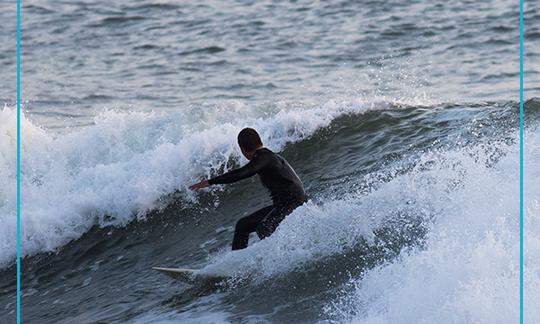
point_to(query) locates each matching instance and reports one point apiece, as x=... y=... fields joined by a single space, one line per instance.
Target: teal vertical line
x=521 y=161
x=18 y=161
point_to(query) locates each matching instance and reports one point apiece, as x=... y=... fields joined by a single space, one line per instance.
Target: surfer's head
x=249 y=142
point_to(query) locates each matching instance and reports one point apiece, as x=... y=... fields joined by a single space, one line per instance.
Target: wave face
x=402 y=196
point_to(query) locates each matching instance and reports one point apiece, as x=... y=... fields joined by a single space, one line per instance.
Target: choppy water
x=399 y=116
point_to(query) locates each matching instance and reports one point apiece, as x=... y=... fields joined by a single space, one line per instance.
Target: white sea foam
x=309 y=233
x=117 y=169
x=468 y=271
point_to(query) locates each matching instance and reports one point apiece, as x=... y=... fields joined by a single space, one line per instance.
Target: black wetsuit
x=285 y=188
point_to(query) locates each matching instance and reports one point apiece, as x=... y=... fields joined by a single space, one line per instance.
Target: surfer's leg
x=247 y=225
x=269 y=224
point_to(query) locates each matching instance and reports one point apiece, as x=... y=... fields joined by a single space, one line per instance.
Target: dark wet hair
x=249 y=139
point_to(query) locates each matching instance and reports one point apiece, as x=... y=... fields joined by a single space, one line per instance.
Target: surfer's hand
x=199 y=185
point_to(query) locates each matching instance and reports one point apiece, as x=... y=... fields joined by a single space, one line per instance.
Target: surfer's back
x=279 y=178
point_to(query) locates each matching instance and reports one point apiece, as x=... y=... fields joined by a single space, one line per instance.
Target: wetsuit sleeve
x=246 y=171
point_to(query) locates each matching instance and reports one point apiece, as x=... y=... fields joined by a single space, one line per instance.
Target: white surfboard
x=191 y=276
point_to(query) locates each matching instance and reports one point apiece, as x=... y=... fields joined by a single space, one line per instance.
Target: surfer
x=277 y=176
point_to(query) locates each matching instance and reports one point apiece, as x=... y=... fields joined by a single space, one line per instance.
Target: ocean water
x=401 y=118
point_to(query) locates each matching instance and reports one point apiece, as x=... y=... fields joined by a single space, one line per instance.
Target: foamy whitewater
x=468 y=270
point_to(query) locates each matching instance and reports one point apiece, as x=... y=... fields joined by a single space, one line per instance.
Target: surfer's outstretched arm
x=249 y=142
x=246 y=171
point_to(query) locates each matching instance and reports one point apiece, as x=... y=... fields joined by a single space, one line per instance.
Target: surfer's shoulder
x=264 y=156
x=263 y=152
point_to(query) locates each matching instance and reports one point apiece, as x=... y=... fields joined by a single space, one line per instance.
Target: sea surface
x=401 y=118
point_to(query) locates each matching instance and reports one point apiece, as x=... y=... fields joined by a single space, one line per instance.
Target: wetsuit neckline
x=260 y=149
